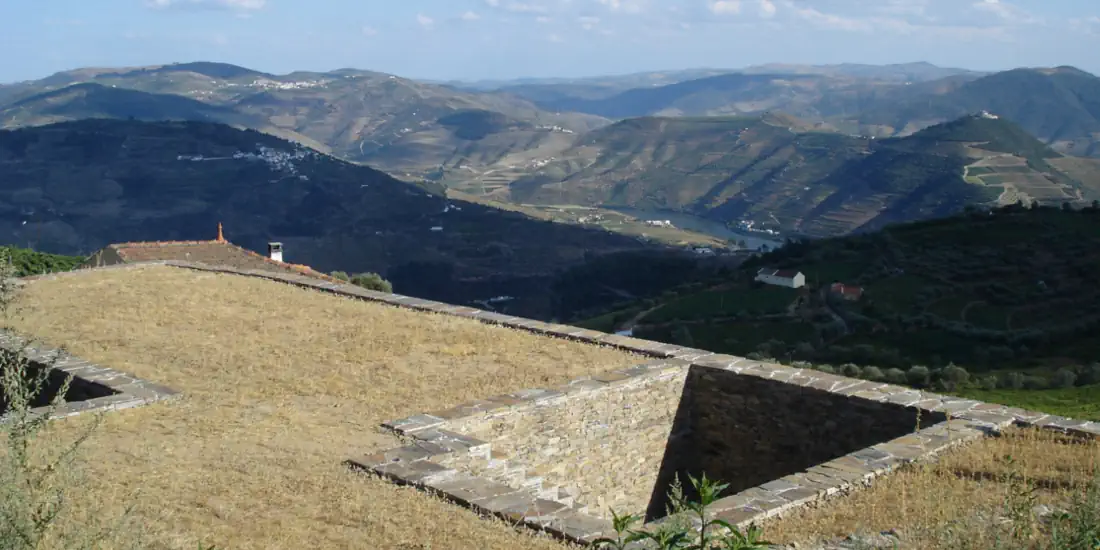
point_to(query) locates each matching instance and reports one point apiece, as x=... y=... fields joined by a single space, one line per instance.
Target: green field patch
x=986 y=316
x=1082 y=402
x=980 y=170
x=949 y=307
x=610 y=322
x=920 y=347
x=724 y=303
x=897 y=293
x=743 y=337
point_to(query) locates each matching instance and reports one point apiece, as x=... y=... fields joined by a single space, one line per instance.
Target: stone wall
x=599 y=449
x=620 y=446
x=747 y=431
x=93 y=387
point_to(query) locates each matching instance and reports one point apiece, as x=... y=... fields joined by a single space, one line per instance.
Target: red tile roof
x=218 y=252
x=847 y=290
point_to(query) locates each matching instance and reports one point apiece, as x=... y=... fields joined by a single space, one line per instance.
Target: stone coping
x=127 y=390
x=428 y=437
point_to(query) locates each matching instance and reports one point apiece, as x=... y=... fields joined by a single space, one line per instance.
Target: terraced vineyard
x=779 y=172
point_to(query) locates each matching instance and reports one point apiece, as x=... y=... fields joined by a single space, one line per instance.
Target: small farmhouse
x=216 y=252
x=781 y=277
x=848 y=292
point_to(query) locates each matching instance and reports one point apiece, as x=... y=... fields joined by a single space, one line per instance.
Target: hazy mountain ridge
x=390 y=122
x=1060 y=106
x=780 y=172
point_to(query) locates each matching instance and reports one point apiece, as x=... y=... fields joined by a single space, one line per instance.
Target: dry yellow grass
x=936 y=505
x=281 y=385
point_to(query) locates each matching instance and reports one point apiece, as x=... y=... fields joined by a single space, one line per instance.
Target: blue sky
x=474 y=39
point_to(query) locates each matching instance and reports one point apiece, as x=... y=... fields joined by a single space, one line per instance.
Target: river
x=702 y=225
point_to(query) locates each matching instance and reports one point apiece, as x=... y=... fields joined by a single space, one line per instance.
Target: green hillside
x=1007 y=289
x=1007 y=295
x=777 y=171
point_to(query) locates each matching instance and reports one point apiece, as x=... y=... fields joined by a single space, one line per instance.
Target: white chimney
x=275 y=251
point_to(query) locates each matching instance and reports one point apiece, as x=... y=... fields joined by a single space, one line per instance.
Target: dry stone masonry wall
x=595 y=449
x=784 y=437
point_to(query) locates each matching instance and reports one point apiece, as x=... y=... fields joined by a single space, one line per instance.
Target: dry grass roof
x=949 y=503
x=281 y=385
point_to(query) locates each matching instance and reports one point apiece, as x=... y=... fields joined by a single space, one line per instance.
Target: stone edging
x=128 y=390
x=412 y=464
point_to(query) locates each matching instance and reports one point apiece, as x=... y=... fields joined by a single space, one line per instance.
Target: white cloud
x=588 y=22
x=1005 y=11
x=626 y=6
x=767 y=8
x=517 y=7
x=369 y=31
x=425 y=21
x=470 y=16
x=543 y=19
x=554 y=38
x=234 y=5
x=725 y=7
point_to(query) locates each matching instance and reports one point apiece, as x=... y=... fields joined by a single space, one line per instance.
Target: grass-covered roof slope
x=281 y=384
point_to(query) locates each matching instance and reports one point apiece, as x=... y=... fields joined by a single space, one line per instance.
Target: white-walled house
x=781 y=277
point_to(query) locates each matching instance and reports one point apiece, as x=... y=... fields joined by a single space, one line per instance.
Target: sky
x=501 y=39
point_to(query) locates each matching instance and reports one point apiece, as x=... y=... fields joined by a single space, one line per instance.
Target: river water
x=703 y=225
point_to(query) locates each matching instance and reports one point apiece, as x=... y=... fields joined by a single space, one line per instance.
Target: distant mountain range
x=398 y=125
x=767 y=133
x=780 y=172
x=1060 y=106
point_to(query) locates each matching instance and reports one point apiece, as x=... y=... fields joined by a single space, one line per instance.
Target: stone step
x=557 y=494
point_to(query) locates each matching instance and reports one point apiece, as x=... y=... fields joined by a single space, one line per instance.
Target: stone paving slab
x=125 y=391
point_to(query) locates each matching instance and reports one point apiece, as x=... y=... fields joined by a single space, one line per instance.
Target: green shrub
x=896 y=376
x=29 y=262
x=917 y=376
x=955 y=374
x=1014 y=381
x=1090 y=375
x=1064 y=378
x=711 y=534
x=372 y=281
x=341 y=275
x=873 y=374
x=851 y=370
x=989 y=383
x=1035 y=383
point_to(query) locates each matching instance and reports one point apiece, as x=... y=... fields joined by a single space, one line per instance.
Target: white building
x=781 y=277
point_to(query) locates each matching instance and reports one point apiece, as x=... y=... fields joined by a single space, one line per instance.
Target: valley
x=771 y=159
x=1003 y=294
